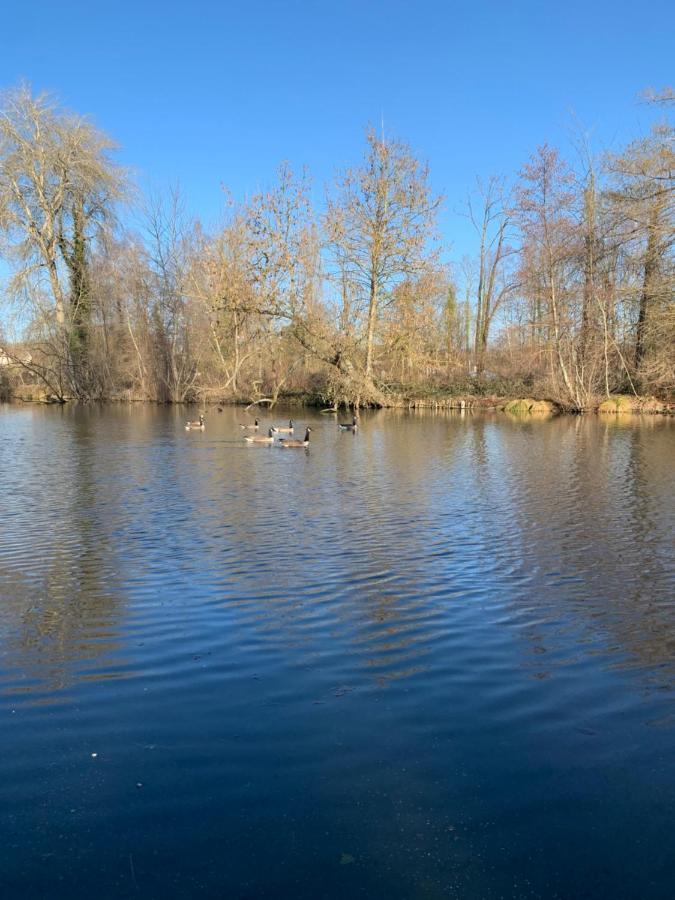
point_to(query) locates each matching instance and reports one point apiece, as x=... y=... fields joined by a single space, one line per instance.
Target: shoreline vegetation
x=439 y=402
x=566 y=304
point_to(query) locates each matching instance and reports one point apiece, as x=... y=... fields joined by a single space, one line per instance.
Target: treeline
x=569 y=296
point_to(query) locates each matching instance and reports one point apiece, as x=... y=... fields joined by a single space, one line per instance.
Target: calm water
x=434 y=659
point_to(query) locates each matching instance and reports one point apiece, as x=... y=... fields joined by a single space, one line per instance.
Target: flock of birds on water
x=273 y=432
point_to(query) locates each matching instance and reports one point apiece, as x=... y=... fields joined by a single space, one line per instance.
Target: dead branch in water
x=271 y=400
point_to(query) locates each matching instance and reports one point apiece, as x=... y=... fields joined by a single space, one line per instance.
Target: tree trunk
x=647 y=296
x=589 y=274
x=372 y=314
x=80 y=304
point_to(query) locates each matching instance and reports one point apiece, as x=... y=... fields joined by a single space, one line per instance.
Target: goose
x=277 y=429
x=349 y=426
x=196 y=426
x=289 y=442
x=253 y=427
x=261 y=438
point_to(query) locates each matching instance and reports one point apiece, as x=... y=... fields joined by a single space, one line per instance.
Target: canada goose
x=280 y=430
x=347 y=426
x=196 y=426
x=253 y=427
x=261 y=438
x=289 y=442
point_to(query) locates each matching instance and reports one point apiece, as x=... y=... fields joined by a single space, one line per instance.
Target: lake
x=432 y=659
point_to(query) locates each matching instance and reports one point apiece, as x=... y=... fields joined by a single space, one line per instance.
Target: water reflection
x=423 y=648
x=60 y=605
x=107 y=505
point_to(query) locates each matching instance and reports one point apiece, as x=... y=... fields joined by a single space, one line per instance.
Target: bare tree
x=379 y=227
x=546 y=215
x=284 y=272
x=220 y=279
x=58 y=187
x=168 y=251
x=644 y=196
x=495 y=282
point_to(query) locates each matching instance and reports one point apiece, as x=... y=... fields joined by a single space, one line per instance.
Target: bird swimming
x=261 y=438
x=289 y=442
x=349 y=426
x=253 y=427
x=196 y=426
x=278 y=429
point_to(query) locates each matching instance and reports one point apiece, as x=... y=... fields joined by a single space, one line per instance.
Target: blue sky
x=211 y=93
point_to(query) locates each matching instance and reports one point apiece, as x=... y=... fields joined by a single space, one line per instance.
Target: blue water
x=432 y=659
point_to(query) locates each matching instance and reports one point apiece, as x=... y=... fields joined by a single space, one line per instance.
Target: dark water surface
x=434 y=659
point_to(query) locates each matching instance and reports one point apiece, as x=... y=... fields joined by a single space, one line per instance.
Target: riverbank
x=614 y=405
x=619 y=404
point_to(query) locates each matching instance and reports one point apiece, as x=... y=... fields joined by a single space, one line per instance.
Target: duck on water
x=196 y=426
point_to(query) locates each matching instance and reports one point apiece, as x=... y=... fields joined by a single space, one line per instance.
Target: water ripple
x=421 y=649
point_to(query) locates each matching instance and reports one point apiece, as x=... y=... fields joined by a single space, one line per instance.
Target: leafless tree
x=58 y=189
x=379 y=226
x=496 y=280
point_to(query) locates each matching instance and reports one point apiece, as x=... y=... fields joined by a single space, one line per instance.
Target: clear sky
x=211 y=93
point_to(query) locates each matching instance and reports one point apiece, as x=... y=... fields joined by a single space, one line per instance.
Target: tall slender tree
x=495 y=280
